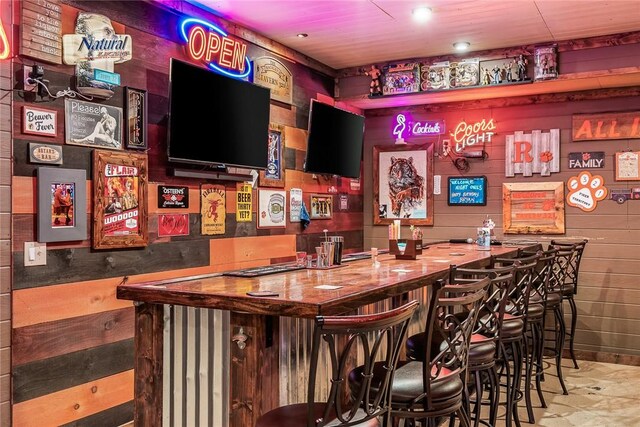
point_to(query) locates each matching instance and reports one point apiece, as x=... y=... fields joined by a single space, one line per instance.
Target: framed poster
x=533 y=208
x=321 y=206
x=213 y=210
x=135 y=107
x=39 y=121
x=92 y=125
x=628 y=166
x=273 y=176
x=467 y=191
x=119 y=200
x=244 y=202
x=272 y=211
x=62 y=204
x=403 y=184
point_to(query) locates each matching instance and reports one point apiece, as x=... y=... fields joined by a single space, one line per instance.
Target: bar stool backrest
x=574 y=267
x=563 y=264
x=492 y=309
x=380 y=337
x=445 y=325
x=524 y=268
x=543 y=275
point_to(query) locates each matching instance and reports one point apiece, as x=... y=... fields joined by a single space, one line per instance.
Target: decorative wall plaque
x=273 y=74
x=41 y=30
x=39 y=121
x=537 y=152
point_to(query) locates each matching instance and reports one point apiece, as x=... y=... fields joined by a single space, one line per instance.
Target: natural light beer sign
x=212 y=45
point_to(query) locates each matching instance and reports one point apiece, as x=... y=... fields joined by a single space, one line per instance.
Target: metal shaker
x=338 y=242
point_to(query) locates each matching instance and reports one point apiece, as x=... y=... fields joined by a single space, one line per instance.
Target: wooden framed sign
x=604 y=126
x=321 y=206
x=39 y=121
x=467 y=191
x=119 y=200
x=135 y=107
x=533 y=208
x=628 y=166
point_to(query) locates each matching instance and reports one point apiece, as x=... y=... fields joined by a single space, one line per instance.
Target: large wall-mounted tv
x=216 y=120
x=334 y=144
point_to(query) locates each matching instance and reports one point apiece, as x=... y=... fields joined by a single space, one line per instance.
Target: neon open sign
x=212 y=45
x=405 y=127
x=467 y=134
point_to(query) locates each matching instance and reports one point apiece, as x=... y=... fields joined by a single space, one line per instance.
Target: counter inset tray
x=263 y=271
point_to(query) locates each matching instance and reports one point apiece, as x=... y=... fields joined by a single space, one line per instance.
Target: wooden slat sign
x=605 y=126
x=537 y=152
x=533 y=208
x=41 y=30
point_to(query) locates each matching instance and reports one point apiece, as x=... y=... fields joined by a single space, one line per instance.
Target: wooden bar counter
x=300 y=294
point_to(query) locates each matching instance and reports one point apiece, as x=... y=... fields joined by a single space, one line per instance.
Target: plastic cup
x=301 y=258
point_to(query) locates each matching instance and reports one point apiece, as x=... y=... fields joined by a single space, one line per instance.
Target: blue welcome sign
x=467 y=191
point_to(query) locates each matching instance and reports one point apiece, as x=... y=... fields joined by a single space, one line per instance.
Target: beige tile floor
x=600 y=395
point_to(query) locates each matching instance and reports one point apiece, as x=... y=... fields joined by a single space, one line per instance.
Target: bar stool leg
x=538 y=363
x=527 y=371
x=559 y=346
x=574 y=321
x=494 y=396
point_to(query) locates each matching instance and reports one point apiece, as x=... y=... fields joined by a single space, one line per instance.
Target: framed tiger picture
x=403 y=184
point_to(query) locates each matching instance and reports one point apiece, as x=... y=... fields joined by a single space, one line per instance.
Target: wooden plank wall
x=5 y=224
x=608 y=298
x=72 y=339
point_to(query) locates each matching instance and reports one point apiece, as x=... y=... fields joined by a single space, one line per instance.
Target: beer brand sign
x=244 y=202
x=469 y=134
x=213 y=46
x=213 y=210
x=273 y=74
x=173 y=197
x=605 y=126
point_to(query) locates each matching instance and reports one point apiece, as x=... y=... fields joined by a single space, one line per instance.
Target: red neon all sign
x=468 y=134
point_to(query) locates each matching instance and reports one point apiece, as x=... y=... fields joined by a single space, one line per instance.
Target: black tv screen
x=216 y=120
x=334 y=144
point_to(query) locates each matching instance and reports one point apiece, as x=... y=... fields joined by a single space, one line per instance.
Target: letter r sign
x=522 y=153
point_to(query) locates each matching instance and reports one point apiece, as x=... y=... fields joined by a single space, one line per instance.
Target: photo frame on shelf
x=62 y=204
x=119 y=200
x=273 y=176
x=403 y=184
x=135 y=112
x=321 y=206
x=272 y=208
x=627 y=166
x=533 y=208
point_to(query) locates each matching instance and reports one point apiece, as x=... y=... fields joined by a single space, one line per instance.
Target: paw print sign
x=585 y=191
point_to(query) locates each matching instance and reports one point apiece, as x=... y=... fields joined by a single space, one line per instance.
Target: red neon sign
x=468 y=134
x=210 y=44
x=4 y=43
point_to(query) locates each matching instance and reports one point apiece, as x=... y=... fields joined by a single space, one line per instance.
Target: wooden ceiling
x=349 y=33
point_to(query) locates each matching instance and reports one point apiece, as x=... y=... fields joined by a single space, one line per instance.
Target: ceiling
x=348 y=33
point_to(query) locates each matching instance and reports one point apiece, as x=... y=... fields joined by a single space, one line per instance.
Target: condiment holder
x=412 y=248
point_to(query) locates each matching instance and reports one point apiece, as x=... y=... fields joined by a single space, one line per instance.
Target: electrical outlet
x=35 y=253
x=28 y=87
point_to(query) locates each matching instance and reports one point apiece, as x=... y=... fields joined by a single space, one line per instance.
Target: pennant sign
x=212 y=209
x=585 y=191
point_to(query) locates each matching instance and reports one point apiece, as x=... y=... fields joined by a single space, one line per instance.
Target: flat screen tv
x=334 y=144
x=216 y=120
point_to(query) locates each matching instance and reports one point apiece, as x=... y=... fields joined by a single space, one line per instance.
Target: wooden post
x=148 y=365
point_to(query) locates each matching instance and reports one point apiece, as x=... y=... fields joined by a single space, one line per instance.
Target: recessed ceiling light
x=422 y=14
x=302 y=35
x=461 y=46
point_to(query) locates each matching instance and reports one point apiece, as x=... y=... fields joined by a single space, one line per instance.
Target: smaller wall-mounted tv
x=334 y=144
x=216 y=120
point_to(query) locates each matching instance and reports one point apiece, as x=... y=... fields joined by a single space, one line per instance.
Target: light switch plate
x=36 y=250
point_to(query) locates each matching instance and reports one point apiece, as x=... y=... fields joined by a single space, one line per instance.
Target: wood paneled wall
x=72 y=339
x=608 y=298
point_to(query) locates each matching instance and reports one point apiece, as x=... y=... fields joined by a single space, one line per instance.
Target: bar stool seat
x=512 y=327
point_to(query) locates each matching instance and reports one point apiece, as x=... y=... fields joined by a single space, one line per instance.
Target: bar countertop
x=310 y=292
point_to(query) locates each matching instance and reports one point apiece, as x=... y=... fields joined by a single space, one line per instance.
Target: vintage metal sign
x=212 y=209
x=604 y=126
x=47 y=154
x=295 y=204
x=244 y=202
x=586 y=160
x=273 y=74
x=537 y=152
x=173 y=225
x=173 y=197
x=95 y=46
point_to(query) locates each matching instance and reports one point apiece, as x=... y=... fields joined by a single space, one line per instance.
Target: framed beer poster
x=120 y=195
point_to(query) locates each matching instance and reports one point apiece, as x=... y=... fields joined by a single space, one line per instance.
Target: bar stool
x=513 y=335
x=380 y=337
x=485 y=336
x=434 y=387
x=571 y=287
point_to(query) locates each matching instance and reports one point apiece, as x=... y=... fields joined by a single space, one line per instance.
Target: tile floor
x=600 y=395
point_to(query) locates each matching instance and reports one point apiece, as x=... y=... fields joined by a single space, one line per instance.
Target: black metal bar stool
x=380 y=337
x=571 y=287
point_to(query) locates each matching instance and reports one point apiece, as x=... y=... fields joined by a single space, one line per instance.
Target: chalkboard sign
x=468 y=191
